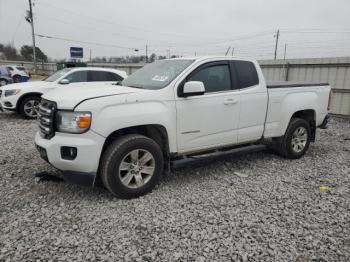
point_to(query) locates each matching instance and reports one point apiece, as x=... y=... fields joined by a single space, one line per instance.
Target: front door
x=211 y=119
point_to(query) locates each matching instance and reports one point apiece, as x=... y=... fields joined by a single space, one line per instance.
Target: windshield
x=57 y=75
x=157 y=75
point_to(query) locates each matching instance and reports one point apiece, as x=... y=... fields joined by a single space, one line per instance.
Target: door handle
x=230 y=101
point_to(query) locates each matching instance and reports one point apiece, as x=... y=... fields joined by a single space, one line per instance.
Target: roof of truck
x=201 y=58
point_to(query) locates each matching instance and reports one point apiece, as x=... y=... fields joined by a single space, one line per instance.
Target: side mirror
x=64 y=82
x=193 y=88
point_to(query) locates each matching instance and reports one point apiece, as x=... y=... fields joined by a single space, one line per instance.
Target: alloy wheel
x=136 y=168
x=31 y=108
x=299 y=139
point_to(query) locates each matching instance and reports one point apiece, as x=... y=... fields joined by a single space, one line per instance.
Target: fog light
x=68 y=153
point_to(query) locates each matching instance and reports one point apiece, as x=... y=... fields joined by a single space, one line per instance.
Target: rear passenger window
x=246 y=74
x=101 y=76
x=215 y=78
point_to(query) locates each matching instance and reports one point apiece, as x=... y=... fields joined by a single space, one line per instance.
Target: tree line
x=25 y=53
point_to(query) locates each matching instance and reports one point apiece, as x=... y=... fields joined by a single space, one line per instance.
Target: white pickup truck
x=127 y=134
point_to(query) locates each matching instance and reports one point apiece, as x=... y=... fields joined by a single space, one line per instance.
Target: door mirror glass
x=193 y=88
x=64 y=82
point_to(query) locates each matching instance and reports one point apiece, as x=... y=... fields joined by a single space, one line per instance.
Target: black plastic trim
x=80 y=178
x=293 y=84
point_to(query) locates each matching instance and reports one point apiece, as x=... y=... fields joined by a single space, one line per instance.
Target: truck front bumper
x=82 y=169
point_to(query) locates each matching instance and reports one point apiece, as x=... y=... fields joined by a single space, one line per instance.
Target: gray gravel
x=256 y=207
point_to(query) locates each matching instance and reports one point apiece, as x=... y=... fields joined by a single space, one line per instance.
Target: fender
x=283 y=105
x=135 y=110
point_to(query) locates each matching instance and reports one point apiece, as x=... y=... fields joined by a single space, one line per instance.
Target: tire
x=296 y=140
x=118 y=172
x=16 y=78
x=29 y=107
x=3 y=82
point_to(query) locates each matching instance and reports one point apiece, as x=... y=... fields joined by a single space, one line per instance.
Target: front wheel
x=131 y=166
x=29 y=107
x=296 y=140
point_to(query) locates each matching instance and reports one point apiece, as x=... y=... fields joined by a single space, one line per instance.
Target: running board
x=200 y=158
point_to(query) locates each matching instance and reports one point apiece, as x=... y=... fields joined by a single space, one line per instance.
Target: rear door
x=208 y=120
x=253 y=97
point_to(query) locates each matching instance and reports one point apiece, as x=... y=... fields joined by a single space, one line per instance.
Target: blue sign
x=76 y=52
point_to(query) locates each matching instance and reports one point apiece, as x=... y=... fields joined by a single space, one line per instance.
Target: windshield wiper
x=118 y=83
x=139 y=87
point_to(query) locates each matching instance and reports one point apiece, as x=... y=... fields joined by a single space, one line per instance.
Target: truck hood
x=70 y=96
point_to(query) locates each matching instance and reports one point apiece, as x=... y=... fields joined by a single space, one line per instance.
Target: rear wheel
x=296 y=140
x=16 y=78
x=131 y=166
x=3 y=82
x=29 y=107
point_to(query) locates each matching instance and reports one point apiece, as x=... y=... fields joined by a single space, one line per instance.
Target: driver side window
x=79 y=76
x=216 y=78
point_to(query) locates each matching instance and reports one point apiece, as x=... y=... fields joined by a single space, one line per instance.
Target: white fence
x=335 y=71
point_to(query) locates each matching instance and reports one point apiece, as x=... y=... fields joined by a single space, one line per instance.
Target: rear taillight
x=329 y=100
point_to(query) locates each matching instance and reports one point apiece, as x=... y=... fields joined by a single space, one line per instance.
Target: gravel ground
x=256 y=207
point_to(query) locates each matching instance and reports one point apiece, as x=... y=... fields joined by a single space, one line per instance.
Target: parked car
x=5 y=76
x=18 y=73
x=172 y=110
x=24 y=98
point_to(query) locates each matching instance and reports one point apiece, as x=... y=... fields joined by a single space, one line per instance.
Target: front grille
x=46 y=117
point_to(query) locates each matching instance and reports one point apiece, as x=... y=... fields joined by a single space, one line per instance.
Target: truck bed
x=289 y=84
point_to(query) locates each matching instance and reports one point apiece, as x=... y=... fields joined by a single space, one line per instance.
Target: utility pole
x=146 y=53
x=285 y=51
x=33 y=34
x=228 y=50
x=233 y=50
x=90 y=55
x=277 y=38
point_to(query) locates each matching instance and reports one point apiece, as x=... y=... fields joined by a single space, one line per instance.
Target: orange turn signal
x=84 y=121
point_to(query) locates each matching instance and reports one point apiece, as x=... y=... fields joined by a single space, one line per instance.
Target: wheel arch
x=155 y=131
x=24 y=96
x=309 y=115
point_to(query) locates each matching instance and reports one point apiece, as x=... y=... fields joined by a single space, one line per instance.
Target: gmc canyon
x=127 y=133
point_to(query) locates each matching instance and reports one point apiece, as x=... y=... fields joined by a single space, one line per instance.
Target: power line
x=161 y=33
x=109 y=22
x=87 y=27
x=85 y=42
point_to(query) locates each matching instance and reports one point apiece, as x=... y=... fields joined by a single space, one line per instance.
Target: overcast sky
x=310 y=28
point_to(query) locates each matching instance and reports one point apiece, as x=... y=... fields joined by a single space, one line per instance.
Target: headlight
x=12 y=92
x=73 y=122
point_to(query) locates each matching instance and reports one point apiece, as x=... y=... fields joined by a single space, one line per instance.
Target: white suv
x=24 y=98
x=18 y=73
